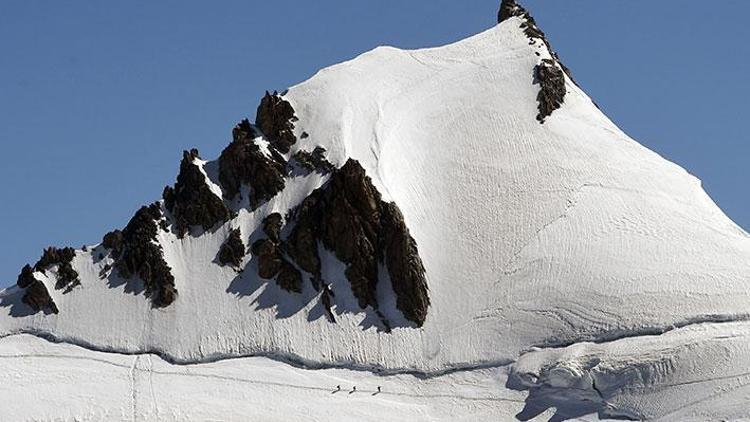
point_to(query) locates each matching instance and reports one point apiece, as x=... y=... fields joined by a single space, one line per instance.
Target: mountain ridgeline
x=346 y=216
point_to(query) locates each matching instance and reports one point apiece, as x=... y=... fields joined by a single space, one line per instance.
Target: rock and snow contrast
x=459 y=225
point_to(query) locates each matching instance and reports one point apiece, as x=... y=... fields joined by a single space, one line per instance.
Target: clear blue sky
x=98 y=99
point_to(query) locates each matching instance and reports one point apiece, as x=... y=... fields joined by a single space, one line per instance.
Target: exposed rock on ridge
x=191 y=202
x=348 y=217
x=549 y=73
x=271 y=261
x=552 y=93
x=350 y=226
x=404 y=265
x=275 y=118
x=140 y=255
x=244 y=163
x=509 y=9
x=302 y=243
x=36 y=294
x=67 y=277
x=113 y=241
x=314 y=161
x=233 y=249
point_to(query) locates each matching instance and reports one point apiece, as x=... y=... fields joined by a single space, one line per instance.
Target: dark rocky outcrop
x=349 y=227
x=314 y=161
x=552 y=92
x=191 y=202
x=140 y=255
x=302 y=243
x=243 y=162
x=54 y=256
x=272 y=226
x=289 y=277
x=244 y=130
x=509 y=9
x=270 y=257
x=404 y=265
x=348 y=217
x=113 y=241
x=67 y=277
x=275 y=119
x=326 y=298
x=233 y=249
x=549 y=73
x=36 y=295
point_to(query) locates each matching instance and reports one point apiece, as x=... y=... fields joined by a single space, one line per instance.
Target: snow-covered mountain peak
x=407 y=210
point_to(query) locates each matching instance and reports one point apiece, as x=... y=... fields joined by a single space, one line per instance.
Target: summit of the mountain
x=509 y=9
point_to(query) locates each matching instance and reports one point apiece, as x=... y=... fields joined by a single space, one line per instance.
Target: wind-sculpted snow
x=693 y=373
x=529 y=234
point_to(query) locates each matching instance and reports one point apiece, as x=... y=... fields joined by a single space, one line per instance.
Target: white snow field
x=562 y=258
x=110 y=386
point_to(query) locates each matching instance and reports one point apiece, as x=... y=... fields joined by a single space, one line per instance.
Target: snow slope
x=145 y=388
x=695 y=373
x=532 y=235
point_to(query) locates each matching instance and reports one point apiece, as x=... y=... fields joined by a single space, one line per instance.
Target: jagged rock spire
x=509 y=9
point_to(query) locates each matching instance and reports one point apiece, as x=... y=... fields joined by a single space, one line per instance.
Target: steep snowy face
x=426 y=209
